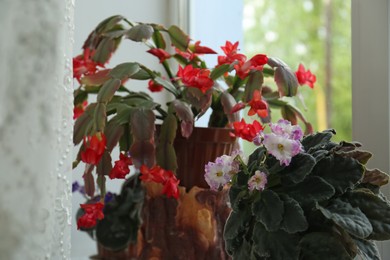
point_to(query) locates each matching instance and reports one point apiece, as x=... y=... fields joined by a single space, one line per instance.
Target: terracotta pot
x=204 y=145
x=191 y=227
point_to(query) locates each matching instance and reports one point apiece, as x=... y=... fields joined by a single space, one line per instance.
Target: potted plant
x=302 y=198
x=146 y=132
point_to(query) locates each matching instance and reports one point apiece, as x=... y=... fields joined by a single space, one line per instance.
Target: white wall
x=370 y=84
x=88 y=13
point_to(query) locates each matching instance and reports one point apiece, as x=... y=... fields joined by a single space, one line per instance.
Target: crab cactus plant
x=324 y=205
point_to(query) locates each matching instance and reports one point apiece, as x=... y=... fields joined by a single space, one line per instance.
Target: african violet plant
x=302 y=198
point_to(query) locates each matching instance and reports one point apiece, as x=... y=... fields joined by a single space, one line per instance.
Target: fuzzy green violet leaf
x=376 y=210
x=341 y=172
x=294 y=219
x=140 y=33
x=236 y=227
x=312 y=189
x=124 y=70
x=269 y=210
x=350 y=218
x=322 y=246
x=274 y=245
x=367 y=249
x=179 y=39
x=301 y=165
x=314 y=141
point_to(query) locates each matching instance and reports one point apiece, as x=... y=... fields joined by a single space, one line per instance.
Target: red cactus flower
x=159 y=53
x=247 y=131
x=164 y=177
x=94 y=147
x=305 y=76
x=258 y=106
x=195 y=77
x=154 y=86
x=121 y=167
x=92 y=213
x=202 y=49
x=79 y=109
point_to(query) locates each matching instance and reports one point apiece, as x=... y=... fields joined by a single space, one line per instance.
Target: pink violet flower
x=257 y=181
x=282 y=147
x=284 y=127
x=219 y=173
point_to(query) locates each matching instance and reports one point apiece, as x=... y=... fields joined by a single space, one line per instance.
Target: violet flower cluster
x=283 y=142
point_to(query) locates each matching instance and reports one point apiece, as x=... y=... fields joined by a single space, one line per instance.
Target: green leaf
x=244 y=251
x=89 y=181
x=289 y=114
x=228 y=102
x=236 y=226
x=142 y=128
x=286 y=81
x=367 y=249
x=104 y=50
x=178 y=38
x=101 y=182
x=97 y=78
x=376 y=210
x=185 y=115
x=255 y=81
x=294 y=219
x=341 y=172
x=104 y=166
x=322 y=246
x=274 y=245
x=301 y=165
x=79 y=97
x=140 y=33
x=317 y=140
x=141 y=75
x=124 y=70
x=158 y=39
x=165 y=152
x=83 y=123
x=256 y=157
x=100 y=117
x=108 y=23
x=312 y=189
x=350 y=218
x=113 y=133
x=220 y=71
x=123 y=114
x=166 y=84
x=108 y=90
x=268 y=210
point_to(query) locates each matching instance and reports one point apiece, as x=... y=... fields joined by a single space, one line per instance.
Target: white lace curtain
x=35 y=128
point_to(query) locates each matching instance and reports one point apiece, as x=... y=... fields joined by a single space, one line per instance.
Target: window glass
x=317 y=34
